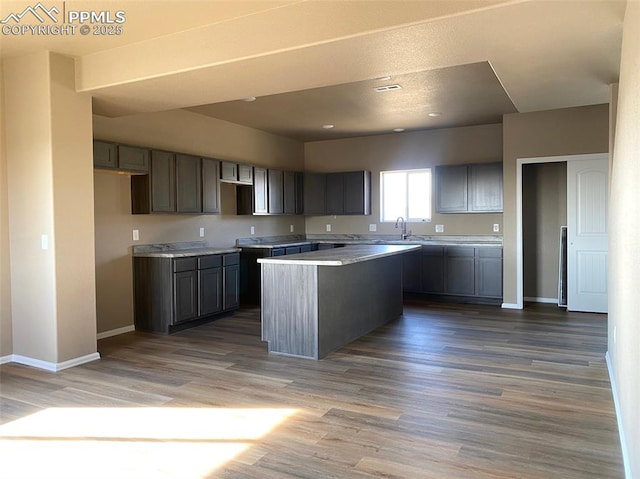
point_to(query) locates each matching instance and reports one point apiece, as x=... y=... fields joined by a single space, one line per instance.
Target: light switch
x=201 y=232
x=291 y=228
x=253 y=230
x=136 y=235
x=439 y=228
x=328 y=227
x=373 y=227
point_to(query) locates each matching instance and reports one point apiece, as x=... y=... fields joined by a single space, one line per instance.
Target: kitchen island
x=316 y=302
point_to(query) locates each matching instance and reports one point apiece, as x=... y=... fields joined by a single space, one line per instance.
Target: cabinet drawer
x=211 y=261
x=489 y=252
x=184 y=264
x=277 y=252
x=460 y=251
x=231 y=259
x=306 y=248
x=292 y=250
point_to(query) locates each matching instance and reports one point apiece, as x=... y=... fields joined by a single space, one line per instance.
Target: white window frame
x=407 y=209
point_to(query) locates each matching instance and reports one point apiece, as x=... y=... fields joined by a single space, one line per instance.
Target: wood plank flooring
x=446 y=391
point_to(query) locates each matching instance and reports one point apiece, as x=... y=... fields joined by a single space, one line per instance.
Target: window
x=405 y=193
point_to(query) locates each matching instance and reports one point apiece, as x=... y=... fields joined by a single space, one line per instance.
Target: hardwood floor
x=446 y=391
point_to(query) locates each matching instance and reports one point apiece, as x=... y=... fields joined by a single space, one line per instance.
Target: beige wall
x=544 y=211
x=423 y=149
x=48 y=148
x=569 y=131
x=187 y=132
x=6 y=330
x=624 y=244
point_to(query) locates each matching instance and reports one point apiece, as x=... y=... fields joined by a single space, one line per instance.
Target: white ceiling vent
x=388 y=88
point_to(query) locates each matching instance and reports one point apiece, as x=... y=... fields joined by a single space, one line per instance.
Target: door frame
x=519 y=240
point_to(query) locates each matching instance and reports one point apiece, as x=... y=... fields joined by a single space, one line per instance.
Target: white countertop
x=183 y=253
x=341 y=256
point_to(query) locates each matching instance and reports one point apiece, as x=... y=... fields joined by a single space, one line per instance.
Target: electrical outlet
x=328 y=227
x=253 y=230
x=136 y=235
x=291 y=228
x=439 y=228
x=201 y=232
x=496 y=228
x=373 y=227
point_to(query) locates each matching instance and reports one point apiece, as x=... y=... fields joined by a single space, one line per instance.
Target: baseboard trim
x=532 y=299
x=54 y=367
x=510 y=306
x=6 y=359
x=116 y=332
x=616 y=402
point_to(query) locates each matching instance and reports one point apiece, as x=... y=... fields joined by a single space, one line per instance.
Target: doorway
x=519 y=210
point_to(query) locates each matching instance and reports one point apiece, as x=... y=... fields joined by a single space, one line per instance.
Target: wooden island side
x=314 y=303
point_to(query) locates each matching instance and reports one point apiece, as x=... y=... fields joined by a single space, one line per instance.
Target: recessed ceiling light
x=435 y=113
x=328 y=126
x=249 y=99
x=398 y=130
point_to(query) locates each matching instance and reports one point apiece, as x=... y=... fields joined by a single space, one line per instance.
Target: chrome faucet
x=405 y=234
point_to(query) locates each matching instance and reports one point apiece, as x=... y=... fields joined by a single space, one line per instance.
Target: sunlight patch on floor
x=162 y=443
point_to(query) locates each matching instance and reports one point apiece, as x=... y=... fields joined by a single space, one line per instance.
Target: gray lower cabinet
x=172 y=291
x=455 y=273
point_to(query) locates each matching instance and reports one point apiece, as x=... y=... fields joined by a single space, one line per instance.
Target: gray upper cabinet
x=105 y=155
x=210 y=190
x=335 y=194
x=314 y=193
x=188 y=184
x=357 y=193
x=485 y=188
x=236 y=173
x=112 y=156
x=293 y=193
x=132 y=158
x=260 y=196
x=275 y=192
x=163 y=182
x=451 y=189
x=473 y=188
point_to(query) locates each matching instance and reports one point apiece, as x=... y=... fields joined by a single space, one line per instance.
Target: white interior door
x=587 y=203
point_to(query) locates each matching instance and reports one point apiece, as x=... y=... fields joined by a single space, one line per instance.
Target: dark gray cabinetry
x=455 y=273
x=188 y=184
x=275 y=192
x=231 y=281
x=185 y=289
x=357 y=193
x=105 y=155
x=163 y=182
x=473 y=188
x=488 y=269
x=334 y=204
x=236 y=173
x=210 y=190
x=260 y=191
x=485 y=188
x=460 y=278
x=172 y=291
x=210 y=285
x=132 y=158
x=451 y=189
x=293 y=193
x=314 y=193
x=433 y=269
x=112 y=156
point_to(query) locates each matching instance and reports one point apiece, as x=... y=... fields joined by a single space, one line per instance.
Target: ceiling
x=316 y=62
